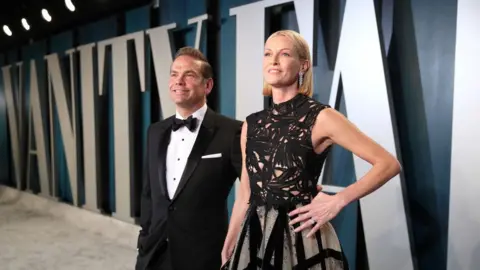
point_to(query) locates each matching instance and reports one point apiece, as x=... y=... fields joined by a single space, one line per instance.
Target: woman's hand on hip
x=321 y=210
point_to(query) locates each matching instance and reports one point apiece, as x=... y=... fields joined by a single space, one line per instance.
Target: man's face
x=187 y=86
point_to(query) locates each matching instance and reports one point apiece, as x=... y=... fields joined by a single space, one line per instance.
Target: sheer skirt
x=267 y=241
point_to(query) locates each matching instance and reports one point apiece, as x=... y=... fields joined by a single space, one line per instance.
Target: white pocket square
x=212 y=156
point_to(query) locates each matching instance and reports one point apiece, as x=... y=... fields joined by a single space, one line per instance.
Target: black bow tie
x=190 y=123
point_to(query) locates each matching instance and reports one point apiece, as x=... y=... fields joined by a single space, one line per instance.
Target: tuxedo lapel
x=205 y=135
x=164 y=136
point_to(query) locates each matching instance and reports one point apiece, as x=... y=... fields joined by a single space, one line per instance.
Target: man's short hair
x=206 y=68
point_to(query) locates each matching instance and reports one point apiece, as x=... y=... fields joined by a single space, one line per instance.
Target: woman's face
x=281 y=63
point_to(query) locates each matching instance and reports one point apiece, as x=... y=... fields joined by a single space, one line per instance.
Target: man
x=193 y=159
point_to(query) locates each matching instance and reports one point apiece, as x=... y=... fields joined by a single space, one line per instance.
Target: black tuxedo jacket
x=188 y=231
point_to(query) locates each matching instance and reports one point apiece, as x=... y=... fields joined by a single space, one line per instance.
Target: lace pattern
x=282 y=165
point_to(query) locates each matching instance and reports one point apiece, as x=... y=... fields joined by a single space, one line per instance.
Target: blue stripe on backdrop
x=95 y=32
x=139 y=20
x=423 y=56
x=227 y=63
x=59 y=44
x=179 y=11
x=5 y=146
x=24 y=109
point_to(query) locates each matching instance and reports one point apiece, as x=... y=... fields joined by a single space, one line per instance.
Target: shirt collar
x=199 y=114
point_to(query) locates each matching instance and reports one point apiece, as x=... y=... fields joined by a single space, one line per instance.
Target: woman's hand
x=321 y=210
x=227 y=252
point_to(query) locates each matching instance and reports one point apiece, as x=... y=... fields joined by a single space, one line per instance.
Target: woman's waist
x=280 y=202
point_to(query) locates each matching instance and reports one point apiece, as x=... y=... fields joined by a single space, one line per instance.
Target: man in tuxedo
x=193 y=159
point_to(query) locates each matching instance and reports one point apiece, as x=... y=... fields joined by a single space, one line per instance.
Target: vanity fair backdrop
x=75 y=107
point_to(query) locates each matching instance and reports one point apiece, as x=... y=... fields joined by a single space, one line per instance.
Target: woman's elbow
x=394 y=167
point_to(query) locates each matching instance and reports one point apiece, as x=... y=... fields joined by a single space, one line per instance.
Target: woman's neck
x=280 y=95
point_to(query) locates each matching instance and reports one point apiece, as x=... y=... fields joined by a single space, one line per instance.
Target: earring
x=300 y=78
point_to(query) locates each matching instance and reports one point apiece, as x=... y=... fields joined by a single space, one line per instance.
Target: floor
x=34 y=240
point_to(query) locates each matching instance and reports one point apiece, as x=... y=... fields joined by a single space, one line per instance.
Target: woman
x=285 y=220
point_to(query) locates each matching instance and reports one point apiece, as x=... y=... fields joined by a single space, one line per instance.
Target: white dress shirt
x=179 y=148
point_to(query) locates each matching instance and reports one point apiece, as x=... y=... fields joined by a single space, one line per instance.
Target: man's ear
x=208 y=86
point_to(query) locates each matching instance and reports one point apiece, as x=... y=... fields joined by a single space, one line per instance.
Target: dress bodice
x=280 y=159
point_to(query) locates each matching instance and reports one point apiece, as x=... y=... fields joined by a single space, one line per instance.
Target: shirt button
x=178 y=158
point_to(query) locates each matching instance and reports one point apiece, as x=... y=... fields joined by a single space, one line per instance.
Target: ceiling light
x=25 y=24
x=7 y=30
x=46 y=15
x=70 y=5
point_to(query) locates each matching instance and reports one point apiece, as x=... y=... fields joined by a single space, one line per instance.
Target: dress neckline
x=288 y=106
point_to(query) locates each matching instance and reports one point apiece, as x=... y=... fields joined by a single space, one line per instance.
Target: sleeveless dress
x=283 y=170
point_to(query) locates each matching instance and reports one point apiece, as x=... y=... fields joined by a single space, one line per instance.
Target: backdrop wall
x=78 y=121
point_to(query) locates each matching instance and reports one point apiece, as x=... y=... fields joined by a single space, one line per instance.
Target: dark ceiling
x=12 y=11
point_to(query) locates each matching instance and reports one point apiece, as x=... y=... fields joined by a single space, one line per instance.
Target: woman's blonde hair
x=302 y=49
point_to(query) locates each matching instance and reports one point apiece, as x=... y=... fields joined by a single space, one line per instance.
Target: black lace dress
x=283 y=170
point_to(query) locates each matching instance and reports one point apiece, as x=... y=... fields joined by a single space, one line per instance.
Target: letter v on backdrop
x=383 y=212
